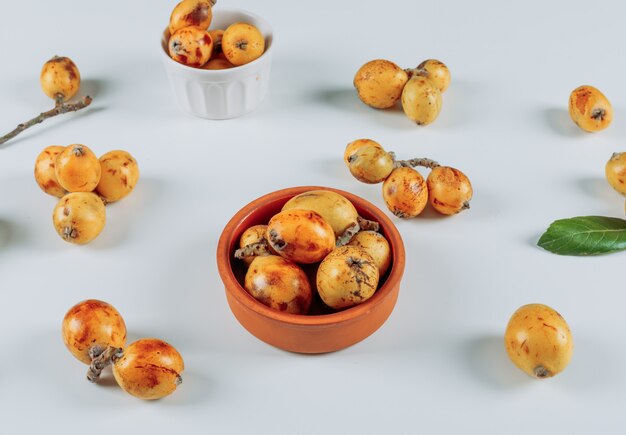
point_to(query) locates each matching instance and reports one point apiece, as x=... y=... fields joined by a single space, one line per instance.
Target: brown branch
x=59 y=109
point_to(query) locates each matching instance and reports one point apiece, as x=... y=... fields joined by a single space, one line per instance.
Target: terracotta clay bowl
x=322 y=330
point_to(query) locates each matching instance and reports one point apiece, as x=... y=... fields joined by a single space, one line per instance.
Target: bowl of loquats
x=311 y=269
x=217 y=60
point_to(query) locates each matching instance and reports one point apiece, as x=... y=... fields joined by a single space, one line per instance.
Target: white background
x=438 y=364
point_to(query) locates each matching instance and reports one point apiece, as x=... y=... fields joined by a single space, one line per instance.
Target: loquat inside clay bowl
x=322 y=330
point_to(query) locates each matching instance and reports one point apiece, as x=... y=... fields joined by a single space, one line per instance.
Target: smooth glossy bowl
x=222 y=94
x=317 y=333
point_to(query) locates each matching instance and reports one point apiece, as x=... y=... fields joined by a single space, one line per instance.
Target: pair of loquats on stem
x=192 y=44
x=95 y=333
x=405 y=191
x=381 y=84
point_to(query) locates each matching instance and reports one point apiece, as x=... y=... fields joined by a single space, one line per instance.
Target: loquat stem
x=101 y=358
x=347 y=235
x=542 y=372
x=78 y=151
x=416 y=72
x=367 y=225
x=419 y=161
x=598 y=114
x=59 y=109
x=253 y=250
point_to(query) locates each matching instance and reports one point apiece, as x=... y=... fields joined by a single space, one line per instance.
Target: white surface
x=438 y=365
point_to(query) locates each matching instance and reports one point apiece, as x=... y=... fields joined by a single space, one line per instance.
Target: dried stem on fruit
x=415 y=72
x=542 y=372
x=59 y=109
x=348 y=234
x=101 y=358
x=367 y=225
x=419 y=161
x=253 y=250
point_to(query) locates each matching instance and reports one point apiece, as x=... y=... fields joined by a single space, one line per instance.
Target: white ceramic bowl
x=221 y=94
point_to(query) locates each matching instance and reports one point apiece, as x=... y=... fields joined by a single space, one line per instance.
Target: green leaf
x=585 y=235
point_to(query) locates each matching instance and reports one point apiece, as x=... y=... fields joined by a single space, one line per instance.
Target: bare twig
x=59 y=109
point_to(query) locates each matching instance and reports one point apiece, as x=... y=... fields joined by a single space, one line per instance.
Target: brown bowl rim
x=243 y=297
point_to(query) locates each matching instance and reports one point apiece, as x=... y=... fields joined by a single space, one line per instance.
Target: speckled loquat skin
x=119 y=175
x=216 y=36
x=615 y=171
x=347 y=277
x=538 y=340
x=44 y=171
x=150 y=369
x=279 y=284
x=370 y=164
x=217 y=64
x=191 y=46
x=377 y=246
x=242 y=43
x=337 y=210
x=92 y=324
x=405 y=192
x=353 y=146
x=77 y=169
x=449 y=190
x=590 y=109
x=421 y=100
x=60 y=78
x=196 y=13
x=379 y=83
x=79 y=217
x=437 y=72
x=302 y=236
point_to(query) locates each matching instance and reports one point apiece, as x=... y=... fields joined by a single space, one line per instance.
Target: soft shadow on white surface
x=346 y=99
x=559 y=121
x=50 y=365
x=127 y=214
x=430 y=213
x=459 y=106
x=195 y=389
x=94 y=88
x=5 y=233
x=534 y=238
x=487 y=359
x=107 y=380
x=593 y=366
x=332 y=168
x=597 y=187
